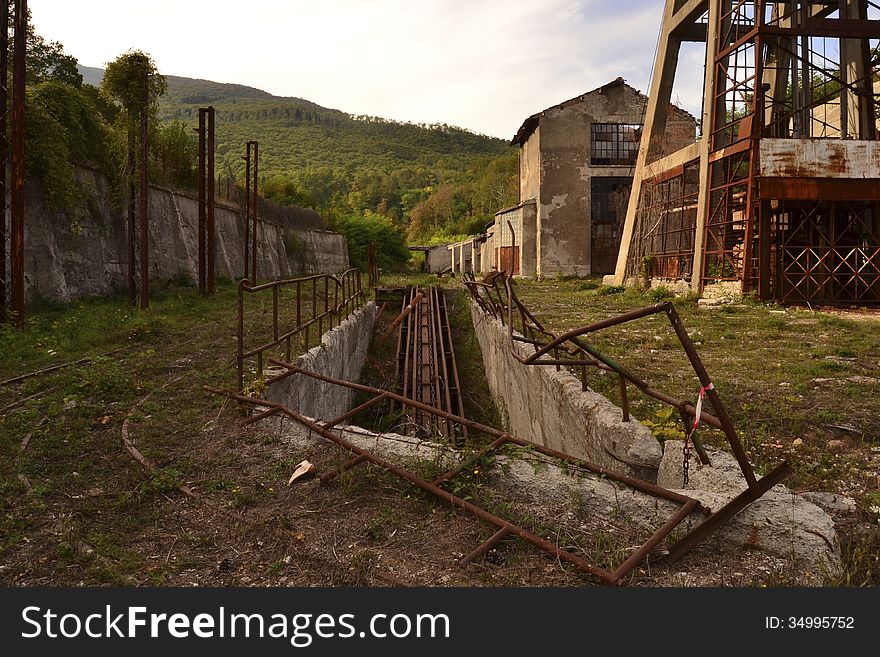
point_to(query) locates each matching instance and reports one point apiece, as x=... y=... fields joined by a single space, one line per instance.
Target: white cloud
x=481 y=64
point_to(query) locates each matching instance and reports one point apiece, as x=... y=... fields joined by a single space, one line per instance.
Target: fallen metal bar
x=350 y=414
x=721 y=411
x=632 y=482
x=725 y=513
x=402 y=316
x=262 y=416
x=641 y=554
x=427 y=486
x=495 y=444
x=345 y=467
x=485 y=546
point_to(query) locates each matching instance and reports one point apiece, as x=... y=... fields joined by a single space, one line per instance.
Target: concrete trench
x=551 y=409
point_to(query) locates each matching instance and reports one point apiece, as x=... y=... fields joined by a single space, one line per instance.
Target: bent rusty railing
x=319 y=300
x=496 y=297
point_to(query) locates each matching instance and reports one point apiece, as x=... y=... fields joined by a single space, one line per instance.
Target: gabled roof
x=529 y=125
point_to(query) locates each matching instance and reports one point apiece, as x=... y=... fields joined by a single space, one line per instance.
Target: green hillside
x=434 y=182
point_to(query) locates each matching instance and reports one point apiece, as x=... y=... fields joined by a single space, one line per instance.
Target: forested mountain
x=448 y=179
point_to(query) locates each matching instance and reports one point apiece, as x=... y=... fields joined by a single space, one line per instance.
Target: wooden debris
x=304 y=469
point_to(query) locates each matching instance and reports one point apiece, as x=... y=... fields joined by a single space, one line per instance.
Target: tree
x=124 y=83
x=360 y=230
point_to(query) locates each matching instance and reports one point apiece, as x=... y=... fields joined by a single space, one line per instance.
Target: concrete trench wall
x=552 y=409
x=341 y=355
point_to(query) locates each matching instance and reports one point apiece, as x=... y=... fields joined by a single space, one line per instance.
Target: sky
x=484 y=65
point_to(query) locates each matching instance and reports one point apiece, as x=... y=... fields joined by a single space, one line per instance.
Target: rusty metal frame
x=774 y=70
x=347 y=295
x=206 y=200
x=426 y=366
x=505 y=527
x=496 y=297
x=16 y=144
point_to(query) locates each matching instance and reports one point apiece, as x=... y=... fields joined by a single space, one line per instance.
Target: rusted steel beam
x=642 y=553
x=725 y=513
x=247 y=209
x=255 y=210
x=4 y=146
x=345 y=467
x=202 y=218
x=211 y=246
x=720 y=410
x=144 y=201
x=18 y=163
x=485 y=546
x=402 y=316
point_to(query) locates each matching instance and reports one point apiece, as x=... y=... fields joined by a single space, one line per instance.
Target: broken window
x=614 y=143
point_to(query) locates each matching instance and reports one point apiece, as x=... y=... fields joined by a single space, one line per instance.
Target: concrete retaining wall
x=550 y=408
x=63 y=262
x=341 y=355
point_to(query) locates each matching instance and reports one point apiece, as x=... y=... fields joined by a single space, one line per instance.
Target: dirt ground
x=124 y=471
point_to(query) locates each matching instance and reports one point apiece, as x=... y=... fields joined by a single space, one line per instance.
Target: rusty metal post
x=211 y=261
x=201 y=228
x=132 y=221
x=18 y=86
x=254 y=252
x=247 y=206
x=4 y=146
x=145 y=193
x=239 y=355
x=371 y=265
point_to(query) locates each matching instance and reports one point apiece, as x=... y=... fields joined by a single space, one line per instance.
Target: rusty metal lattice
x=427 y=370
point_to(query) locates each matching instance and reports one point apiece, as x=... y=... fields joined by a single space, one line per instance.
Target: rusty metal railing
x=314 y=301
x=495 y=296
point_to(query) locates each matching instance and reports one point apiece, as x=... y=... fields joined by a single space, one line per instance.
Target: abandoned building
x=780 y=196
x=577 y=161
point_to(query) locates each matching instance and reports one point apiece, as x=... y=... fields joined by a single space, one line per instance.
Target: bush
x=611 y=289
x=660 y=293
x=359 y=231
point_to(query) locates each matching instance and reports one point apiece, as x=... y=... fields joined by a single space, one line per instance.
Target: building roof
x=528 y=127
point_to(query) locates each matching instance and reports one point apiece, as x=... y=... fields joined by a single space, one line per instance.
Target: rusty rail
x=319 y=301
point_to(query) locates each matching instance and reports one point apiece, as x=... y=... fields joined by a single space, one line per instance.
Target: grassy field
x=77 y=507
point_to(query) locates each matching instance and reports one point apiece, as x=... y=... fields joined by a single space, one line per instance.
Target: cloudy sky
x=481 y=64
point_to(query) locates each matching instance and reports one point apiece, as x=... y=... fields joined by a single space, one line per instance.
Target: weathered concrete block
x=780 y=523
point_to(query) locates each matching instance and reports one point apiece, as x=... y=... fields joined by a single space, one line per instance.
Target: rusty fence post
x=247 y=207
x=209 y=175
x=145 y=201
x=17 y=218
x=202 y=204
x=4 y=146
x=256 y=161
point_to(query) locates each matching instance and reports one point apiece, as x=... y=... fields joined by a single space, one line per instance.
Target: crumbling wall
x=67 y=258
x=550 y=408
